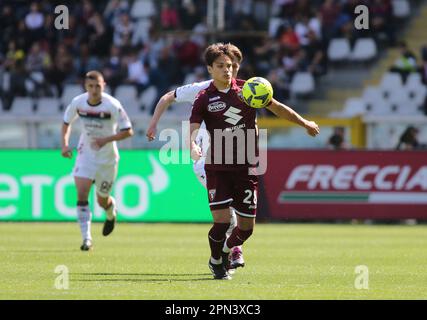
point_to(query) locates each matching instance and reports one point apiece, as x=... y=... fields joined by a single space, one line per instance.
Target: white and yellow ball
x=257 y=92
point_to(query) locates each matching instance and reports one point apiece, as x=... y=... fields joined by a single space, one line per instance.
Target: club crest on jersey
x=212 y=194
x=216 y=106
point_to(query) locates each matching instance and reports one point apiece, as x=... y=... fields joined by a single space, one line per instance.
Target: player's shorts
x=199 y=170
x=235 y=189
x=103 y=175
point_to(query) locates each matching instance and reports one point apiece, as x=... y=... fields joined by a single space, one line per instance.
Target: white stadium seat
x=339 y=49
x=380 y=108
x=372 y=95
x=48 y=107
x=391 y=81
x=354 y=107
x=409 y=108
x=302 y=83
x=22 y=106
x=70 y=91
x=128 y=97
x=148 y=98
x=365 y=49
x=417 y=90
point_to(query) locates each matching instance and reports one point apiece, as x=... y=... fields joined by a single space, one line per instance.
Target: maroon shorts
x=235 y=189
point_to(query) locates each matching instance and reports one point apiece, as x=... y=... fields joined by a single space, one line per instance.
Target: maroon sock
x=217 y=238
x=238 y=236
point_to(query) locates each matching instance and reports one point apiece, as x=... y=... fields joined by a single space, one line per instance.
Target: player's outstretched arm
x=65 y=137
x=283 y=111
x=121 y=135
x=165 y=101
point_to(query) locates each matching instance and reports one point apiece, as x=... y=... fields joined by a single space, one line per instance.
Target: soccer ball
x=257 y=92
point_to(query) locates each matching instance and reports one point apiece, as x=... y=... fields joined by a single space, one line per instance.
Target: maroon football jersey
x=232 y=127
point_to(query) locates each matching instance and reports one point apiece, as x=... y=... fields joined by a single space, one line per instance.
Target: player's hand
x=98 y=143
x=312 y=128
x=196 y=152
x=151 y=133
x=67 y=152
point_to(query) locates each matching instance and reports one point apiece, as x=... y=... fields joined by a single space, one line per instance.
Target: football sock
x=217 y=238
x=84 y=216
x=111 y=210
x=237 y=238
x=233 y=222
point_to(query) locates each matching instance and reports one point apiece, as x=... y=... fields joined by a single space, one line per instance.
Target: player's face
x=95 y=88
x=222 y=69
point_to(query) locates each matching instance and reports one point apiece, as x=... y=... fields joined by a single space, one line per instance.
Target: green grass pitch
x=169 y=262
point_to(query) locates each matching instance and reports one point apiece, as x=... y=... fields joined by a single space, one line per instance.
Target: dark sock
x=238 y=236
x=217 y=238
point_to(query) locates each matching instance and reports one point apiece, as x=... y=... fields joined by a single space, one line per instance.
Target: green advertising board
x=36 y=185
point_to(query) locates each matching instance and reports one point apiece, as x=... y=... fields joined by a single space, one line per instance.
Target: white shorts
x=103 y=175
x=199 y=170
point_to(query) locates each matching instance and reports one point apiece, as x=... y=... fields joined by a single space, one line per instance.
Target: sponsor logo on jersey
x=93 y=115
x=216 y=106
x=233 y=115
x=214 y=98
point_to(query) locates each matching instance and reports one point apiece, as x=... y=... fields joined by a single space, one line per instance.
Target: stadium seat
x=372 y=95
x=401 y=8
x=142 y=9
x=380 y=108
x=354 y=107
x=148 y=98
x=70 y=91
x=127 y=95
x=365 y=49
x=408 y=108
x=22 y=106
x=302 y=83
x=390 y=82
x=339 y=49
x=48 y=107
x=416 y=89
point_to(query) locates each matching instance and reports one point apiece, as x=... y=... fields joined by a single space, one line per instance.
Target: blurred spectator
x=97 y=36
x=329 y=13
x=168 y=16
x=123 y=30
x=381 y=16
x=34 y=21
x=138 y=72
x=113 y=10
x=61 y=69
x=113 y=69
x=190 y=17
x=288 y=38
x=337 y=139
x=423 y=67
x=406 y=63
x=85 y=62
x=409 y=140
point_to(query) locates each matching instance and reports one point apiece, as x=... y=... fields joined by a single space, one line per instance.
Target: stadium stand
x=309 y=49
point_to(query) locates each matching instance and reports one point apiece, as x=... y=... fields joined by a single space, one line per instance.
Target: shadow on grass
x=146 y=277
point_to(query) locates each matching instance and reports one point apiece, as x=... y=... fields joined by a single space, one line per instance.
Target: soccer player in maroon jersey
x=230 y=184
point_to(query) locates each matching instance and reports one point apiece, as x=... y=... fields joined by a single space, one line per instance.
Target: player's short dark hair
x=94 y=75
x=218 y=49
